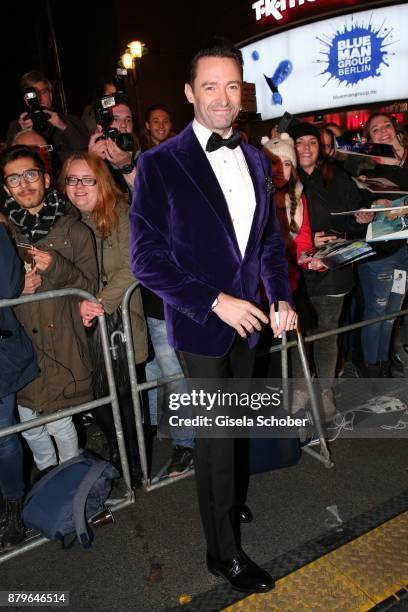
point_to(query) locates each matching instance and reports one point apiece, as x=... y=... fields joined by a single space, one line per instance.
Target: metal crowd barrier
x=111 y=398
x=159 y=481
x=137 y=388
x=323 y=455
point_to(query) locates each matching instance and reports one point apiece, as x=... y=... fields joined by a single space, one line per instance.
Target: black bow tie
x=215 y=141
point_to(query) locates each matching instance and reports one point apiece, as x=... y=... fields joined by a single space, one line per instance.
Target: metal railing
x=322 y=455
x=160 y=480
x=137 y=388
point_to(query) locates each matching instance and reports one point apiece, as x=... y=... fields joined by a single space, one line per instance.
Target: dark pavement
x=155 y=551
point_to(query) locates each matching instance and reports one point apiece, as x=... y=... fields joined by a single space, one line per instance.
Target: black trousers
x=221 y=464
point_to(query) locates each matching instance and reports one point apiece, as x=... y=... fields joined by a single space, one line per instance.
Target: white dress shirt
x=233 y=176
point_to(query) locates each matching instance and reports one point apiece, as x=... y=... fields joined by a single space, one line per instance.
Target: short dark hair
x=216 y=47
x=155 y=107
x=18 y=152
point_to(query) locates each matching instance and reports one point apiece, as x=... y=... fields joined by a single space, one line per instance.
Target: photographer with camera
x=114 y=140
x=65 y=132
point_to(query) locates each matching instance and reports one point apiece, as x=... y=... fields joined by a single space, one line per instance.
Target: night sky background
x=91 y=36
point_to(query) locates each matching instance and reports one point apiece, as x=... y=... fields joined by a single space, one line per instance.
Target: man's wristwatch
x=127 y=169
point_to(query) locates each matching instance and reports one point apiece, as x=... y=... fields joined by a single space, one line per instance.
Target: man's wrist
x=216 y=301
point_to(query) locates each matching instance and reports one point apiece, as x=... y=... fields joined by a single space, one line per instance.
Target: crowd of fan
x=66 y=190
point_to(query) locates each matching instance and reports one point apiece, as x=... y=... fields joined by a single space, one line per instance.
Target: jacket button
x=34 y=330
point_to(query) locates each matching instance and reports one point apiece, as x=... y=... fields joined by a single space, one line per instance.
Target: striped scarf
x=35 y=227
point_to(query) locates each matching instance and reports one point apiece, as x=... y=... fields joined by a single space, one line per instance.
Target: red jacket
x=302 y=242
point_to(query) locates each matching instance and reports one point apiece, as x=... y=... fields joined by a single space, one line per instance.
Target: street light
x=136 y=48
x=134 y=51
x=127 y=61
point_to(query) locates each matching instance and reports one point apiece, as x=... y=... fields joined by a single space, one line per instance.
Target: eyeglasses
x=30 y=176
x=86 y=181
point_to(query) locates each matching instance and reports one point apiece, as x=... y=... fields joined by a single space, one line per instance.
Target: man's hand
x=115 y=155
x=320 y=239
x=97 y=148
x=32 y=281
x=243 y=316
x=88 y=311
x=287 y=318
x=25 y=122
x=42 y=259
x=55 y=120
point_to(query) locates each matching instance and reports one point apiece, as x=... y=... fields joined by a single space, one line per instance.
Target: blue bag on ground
x=267 y=454
x=64 y=499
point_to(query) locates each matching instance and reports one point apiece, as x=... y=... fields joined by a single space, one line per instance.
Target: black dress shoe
x=244 y=514
x=242 y=574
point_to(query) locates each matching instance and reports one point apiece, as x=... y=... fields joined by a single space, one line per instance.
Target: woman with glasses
x=90 y=187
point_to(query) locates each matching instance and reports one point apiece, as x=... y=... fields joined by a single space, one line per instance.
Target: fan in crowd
x=377 y=274
x=91 y=188
x=327 y=189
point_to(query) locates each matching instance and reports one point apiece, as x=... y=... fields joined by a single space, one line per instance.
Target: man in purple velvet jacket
x=203 y=234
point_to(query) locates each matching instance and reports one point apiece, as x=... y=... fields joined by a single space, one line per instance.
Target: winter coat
x=11 y=285
x=55 y=325
x=116 y=276
x=339 y=195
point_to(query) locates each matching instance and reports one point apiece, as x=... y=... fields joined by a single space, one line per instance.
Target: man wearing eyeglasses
x=58 y=252
x=66 y=133
x=35 y=141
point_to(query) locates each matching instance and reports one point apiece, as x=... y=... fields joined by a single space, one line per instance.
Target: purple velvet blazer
x=184 y=248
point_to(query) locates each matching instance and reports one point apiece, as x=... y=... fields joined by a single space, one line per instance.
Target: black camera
x=35 y=112
x=119 y=79
x=287 y=121
x=104 y=117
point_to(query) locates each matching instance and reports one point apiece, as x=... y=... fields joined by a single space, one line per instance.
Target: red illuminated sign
x=285 y=11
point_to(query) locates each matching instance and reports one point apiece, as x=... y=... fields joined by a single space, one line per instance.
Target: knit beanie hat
x=281 y=147
x=304 y=129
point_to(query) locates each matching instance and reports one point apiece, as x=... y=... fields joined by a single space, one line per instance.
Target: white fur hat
x=281 y=147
